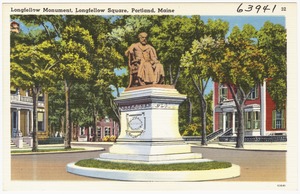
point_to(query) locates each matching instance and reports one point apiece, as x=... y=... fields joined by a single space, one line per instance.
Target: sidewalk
x=88 y=146
x=93 y=146
x=259 y=146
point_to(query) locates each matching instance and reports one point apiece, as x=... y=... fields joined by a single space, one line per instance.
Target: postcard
x=149 y=96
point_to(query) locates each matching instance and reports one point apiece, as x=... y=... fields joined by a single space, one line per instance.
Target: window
x=278 y=121
x=256 y=120
x=220 y=121
x=99 y=131
x=107 y=131
x=254 y=93
x=41 y=121
x=14 y=120
x=252 y=120
x=248 y=120
x=41 y=97
x=223 y=93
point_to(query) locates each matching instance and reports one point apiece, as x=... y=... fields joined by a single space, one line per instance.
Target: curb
x=239 y=149
x=58 y=152
x=156 y=176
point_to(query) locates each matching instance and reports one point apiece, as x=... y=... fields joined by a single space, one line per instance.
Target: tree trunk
x=95 y=114
x=62 y=127
x=115 y=109
x=203 y=121
x=240 y=131
x=177 y=76
x=68 y=136
x=170 y=74
x=203 y=107
x=239 y=103
x=190 y=111
x=35 y=94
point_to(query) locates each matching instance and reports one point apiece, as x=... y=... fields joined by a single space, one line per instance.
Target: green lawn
x=47 y=150
x=92 y=163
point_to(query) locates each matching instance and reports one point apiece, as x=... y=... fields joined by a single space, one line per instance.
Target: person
x=144 y=66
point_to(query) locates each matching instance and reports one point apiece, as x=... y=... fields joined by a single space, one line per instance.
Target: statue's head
x=143 y=38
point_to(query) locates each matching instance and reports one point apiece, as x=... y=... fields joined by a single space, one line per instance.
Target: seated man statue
x=144 y=68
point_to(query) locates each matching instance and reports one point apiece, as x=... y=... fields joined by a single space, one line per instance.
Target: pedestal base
x=151 y=152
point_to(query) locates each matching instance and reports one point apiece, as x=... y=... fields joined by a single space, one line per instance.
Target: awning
x=252 y=108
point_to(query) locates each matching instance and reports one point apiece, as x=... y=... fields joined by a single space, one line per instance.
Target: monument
x=149 y=126
x=149 y=113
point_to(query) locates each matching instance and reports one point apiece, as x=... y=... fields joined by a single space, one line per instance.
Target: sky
x=240 y=21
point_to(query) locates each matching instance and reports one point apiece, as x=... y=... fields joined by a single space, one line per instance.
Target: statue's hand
x=136 y=61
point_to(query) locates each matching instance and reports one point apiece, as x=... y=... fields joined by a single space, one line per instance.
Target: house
x=260 y=114
x=21 y=110
x=106 y=127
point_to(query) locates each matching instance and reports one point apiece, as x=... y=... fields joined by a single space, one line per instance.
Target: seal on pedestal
x=136 y=124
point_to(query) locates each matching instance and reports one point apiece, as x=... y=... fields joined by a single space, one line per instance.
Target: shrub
x=105 y=138
x=112 y=138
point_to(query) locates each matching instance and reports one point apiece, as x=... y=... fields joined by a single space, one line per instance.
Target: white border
x=292 y=120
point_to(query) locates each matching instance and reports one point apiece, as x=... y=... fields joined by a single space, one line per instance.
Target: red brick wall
x=216 y=97
x=270 y=106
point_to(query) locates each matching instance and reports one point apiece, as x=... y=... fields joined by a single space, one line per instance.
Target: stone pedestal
x=149 y=134
x=149 y=127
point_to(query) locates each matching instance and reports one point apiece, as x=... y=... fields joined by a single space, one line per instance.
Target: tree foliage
x=32 y=69
x=241 y=69
x=199 y=62
x=272 y=41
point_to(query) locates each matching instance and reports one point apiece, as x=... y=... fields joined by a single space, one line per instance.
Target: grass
x=47 y=150
x=93 y=163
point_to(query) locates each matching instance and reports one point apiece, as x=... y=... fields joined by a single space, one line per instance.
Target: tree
x=193 y=126
x=272 y=40
x=74 y=47
x=56 y=110
x=104 y=59
x=32 y=68
x=71 y=46
x=241 y=70
x=172 y=36
x=199 y=61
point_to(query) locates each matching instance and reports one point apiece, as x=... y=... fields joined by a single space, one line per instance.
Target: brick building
x=106 y=127
x=260 y=114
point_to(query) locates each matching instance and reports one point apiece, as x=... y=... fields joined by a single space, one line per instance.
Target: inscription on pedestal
x=148 y=106
x=136 y=124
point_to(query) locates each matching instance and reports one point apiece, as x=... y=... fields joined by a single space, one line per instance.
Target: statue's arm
x=129 y=50
x=153 y=55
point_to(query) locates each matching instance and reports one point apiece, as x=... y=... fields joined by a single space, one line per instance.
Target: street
x=255 y=165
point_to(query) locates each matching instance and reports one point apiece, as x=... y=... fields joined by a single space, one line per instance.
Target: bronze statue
x=144 y=68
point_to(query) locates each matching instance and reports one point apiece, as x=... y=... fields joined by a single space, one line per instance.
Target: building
x=260 y=114
x=21 y=110
x=106 y=127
